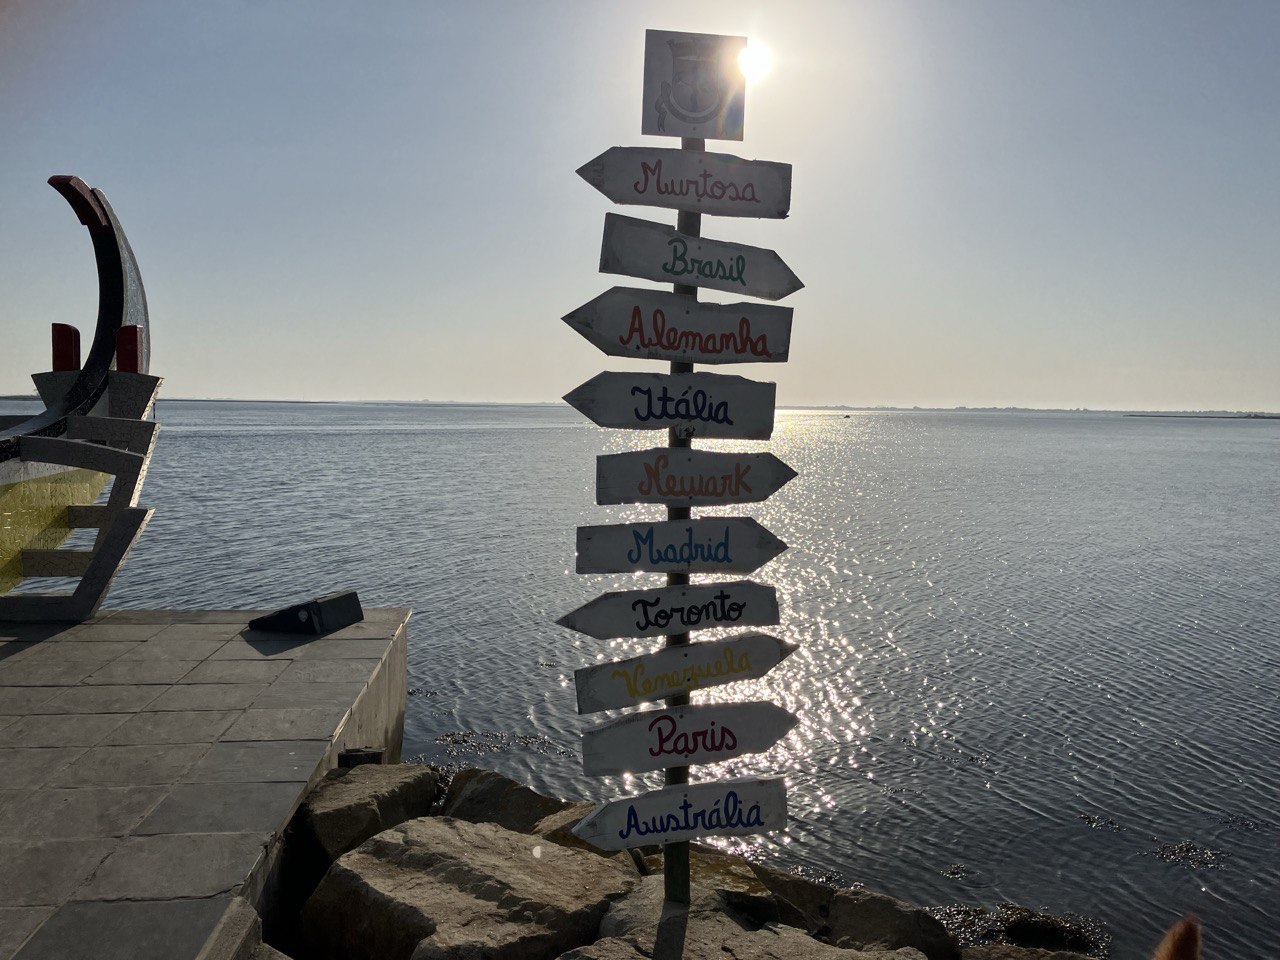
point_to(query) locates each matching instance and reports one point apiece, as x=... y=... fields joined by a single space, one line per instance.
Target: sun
x=755 y=61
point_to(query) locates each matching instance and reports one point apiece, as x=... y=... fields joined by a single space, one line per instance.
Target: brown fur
x=1182 y=942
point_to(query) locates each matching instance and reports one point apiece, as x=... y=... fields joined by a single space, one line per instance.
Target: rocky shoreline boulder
x=439 y=887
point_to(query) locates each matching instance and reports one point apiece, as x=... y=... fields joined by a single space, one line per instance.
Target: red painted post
x=128 y=348
x=66 y=347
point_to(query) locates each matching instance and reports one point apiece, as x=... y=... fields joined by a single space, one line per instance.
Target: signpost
x=717 y=183
x=652 y=613
x=693 y=89
x=653 y=325
x=679 y=669
x=695 y=478
x=678 y=814
x=706 y=733
x=693 y=404
x=653 y=251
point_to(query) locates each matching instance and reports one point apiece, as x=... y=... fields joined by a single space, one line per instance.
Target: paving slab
x=175 y=649
x=299 y=695
x=270 y=762
x=294 y=723
x=18 y=923
x=19 y=701
x=173 y=726
x=236 y=671
x=328 y=671
x=31 y=672
x=208 y=696
x=46 y=872
x=147 y=930
x=106 y=633
x=176 y=866
x=261 y=646
x=71 y=730
x=32 y=766
x=59 y=814
x=126 y=765
x=101 y=698
x=130 y=670
x=222 y=808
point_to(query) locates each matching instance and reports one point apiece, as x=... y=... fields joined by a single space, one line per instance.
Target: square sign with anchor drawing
x=693 y=86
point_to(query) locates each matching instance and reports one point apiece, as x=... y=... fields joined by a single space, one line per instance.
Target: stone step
x=55 y=563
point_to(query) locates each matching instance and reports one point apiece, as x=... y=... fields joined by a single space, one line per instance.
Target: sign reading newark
x=692 y=180
x=693 y=86
x=663 y=610
x=654 y=251
x=694 y=477
x=688 y=811
x=695 y=404
x=655 y=325
x=706 y=545
x=677 y=670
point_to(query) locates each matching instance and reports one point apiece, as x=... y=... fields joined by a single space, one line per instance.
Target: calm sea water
x=1039 y=652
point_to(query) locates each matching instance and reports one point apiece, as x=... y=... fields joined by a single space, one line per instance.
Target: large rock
x=483 y=796
x=642 y=927
x=859 y=919
x=348 y=807
x=441 y=888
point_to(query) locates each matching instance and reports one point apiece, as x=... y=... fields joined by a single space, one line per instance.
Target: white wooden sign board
x=660 y=325
x=727 y=808
x=655 y=251
x=676 y=670
x=705 y=545
x=664 y=610
x=693 y=85
x=684 y=477
x=692 y=180
x=693 y=404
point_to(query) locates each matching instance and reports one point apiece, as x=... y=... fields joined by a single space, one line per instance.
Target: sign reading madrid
x=707 y=545
x=655 y=325
x=654 y=251
x=692 y=180
x=688 y=811
x=663 y=610
x=693 y=86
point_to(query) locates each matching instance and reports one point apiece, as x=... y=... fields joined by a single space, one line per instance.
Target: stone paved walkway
x=149 y=761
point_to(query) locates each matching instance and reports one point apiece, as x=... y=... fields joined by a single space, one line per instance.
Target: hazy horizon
x=995 y=203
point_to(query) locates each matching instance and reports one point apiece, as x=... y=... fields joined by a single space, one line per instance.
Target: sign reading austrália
x=693 y=89
x=676 y=670
x=729 y=808
x=654 y=251
x=652 y=325
x=691 y=180
x=652 y=613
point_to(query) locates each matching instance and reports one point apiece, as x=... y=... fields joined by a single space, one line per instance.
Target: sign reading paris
x=693 y=86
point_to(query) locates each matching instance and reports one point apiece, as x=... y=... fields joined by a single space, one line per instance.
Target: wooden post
x=675 y=856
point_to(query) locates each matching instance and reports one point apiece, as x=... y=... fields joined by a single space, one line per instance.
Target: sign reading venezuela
x=656 y=325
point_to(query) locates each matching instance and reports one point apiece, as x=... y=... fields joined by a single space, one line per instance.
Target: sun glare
x=754 y=61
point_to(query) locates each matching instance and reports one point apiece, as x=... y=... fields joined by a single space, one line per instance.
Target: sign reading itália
x=693 y=89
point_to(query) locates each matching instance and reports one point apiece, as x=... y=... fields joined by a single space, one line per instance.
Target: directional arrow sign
x=708 y=545
x=693 y=477
x=655 y=325
x=716 y=183
x=702 y=733
x=695 y=404
x=678 y=669
x=654 y=251
x=653 y=613
x=730 y=808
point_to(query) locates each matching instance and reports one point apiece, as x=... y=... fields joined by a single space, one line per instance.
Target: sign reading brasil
x=693 y=88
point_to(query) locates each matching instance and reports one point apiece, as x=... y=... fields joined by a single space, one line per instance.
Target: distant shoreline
x=1176 y=414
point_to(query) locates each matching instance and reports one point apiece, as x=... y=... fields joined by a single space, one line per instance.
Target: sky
x=1042 y=204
